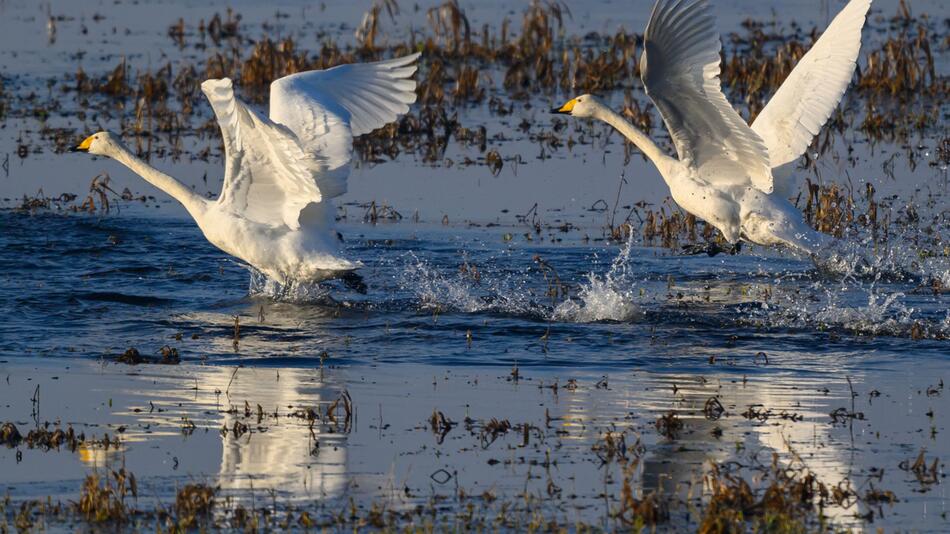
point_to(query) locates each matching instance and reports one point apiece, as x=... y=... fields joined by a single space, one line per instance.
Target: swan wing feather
x=268 y=178
x=326 y=109
x=810 y=94
x=680 y=71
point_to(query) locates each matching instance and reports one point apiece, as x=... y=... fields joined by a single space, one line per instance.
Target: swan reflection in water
x=796 y=431
x=282 y=453
x=288 y=452
x=285 y=452
x=282 y=447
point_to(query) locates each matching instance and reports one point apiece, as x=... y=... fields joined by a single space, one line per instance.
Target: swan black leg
x=354 y=281
x=696 y=249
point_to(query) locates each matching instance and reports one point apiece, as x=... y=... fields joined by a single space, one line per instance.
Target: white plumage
x=680 y=71
x=281 y=173
x=724 y=173
x=810 y=94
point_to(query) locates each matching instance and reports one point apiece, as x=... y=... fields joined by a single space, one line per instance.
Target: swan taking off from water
x=724 y=173
x=275 y=210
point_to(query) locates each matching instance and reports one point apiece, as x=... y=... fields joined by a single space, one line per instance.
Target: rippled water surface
x=643 y=333
x=473 y=310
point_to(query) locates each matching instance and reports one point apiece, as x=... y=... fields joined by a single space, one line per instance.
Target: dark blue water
x=93 y=286
x=640 y=332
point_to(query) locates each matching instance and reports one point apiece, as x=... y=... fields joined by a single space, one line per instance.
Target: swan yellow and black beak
x=566 y=108
x=84 y=146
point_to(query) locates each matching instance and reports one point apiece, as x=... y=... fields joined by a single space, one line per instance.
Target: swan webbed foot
x=354 y=281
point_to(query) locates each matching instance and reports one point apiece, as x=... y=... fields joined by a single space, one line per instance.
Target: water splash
x=883 y=314
x=895 y=261
x=435 y=290
x=858 y=296
x=863 y=269
x=466 y=290
x=608 y=298
x=851 y=306
x=298 y=292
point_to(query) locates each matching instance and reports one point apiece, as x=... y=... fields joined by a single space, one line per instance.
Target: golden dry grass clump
x=103 y=498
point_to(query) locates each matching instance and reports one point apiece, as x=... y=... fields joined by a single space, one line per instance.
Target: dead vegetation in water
x=556 y=289
x=739 y=494
x=638 y=512
x=785 y=503
x=926 y=473
x=112 y=497
x=612 y=446
x=897 y=85
x=340 y=412
x=898 y=90
x=166 y=355
x=441 y=425
x=380 y=213
x=331 y=417
x=669 y=425
x=48 y=437
x=101 y=200
x=787 y=500
x=102 y=498
x=193 y=505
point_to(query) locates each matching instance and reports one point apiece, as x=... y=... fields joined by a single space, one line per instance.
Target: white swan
x=275 y=210
x=724 y=173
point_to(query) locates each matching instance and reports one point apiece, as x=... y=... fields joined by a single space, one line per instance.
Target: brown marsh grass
x=502 y=69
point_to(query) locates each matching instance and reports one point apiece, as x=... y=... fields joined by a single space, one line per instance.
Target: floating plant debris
x=167 y=356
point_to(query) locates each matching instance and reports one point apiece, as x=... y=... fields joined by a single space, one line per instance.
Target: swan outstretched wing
x=277 y=166
x=802 y=105
x=680 y=70
x=268 y=177
x=326 y=109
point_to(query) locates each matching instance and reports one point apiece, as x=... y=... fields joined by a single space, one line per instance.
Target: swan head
x=100 y=144
x=581 y=106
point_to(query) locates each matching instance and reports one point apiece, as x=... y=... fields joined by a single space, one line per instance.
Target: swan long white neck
x=638 y=138
x=192 y=202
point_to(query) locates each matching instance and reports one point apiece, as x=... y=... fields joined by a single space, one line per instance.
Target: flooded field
x=534 y=350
